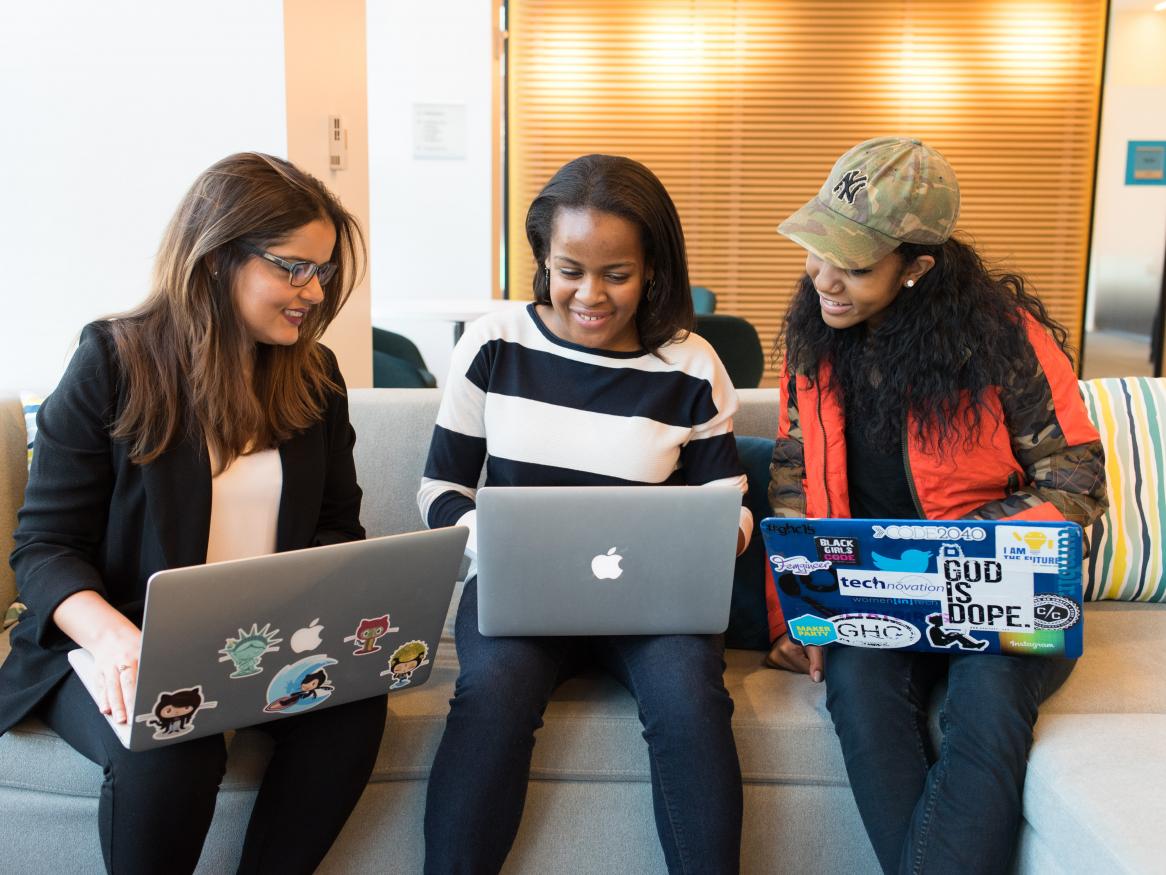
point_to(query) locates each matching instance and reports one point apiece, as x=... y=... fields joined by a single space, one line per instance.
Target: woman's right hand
x=789 y=655
x=114 y=643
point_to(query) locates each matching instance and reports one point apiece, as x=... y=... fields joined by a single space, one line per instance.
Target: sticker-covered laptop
x=969 y=586
x=236 y=643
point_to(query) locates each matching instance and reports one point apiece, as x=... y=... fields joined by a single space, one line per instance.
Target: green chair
x=736 y=342
x=397 y=363
x=704 y=300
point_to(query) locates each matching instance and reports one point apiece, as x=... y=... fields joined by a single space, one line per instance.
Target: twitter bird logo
x=911 y=560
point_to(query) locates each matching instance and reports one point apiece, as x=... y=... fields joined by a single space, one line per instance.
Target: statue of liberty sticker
x=248 y=647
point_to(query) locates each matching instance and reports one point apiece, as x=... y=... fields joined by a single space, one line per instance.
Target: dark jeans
x=156 y=805
x=955 y=809
x=477 y=786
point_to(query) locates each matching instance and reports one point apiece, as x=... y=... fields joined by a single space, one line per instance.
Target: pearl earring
x=910 y=284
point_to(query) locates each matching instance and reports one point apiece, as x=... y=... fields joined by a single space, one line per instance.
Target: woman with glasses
x=208 y=423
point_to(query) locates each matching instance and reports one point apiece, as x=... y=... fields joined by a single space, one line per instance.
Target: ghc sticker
x=874 y=630
x=809 y=629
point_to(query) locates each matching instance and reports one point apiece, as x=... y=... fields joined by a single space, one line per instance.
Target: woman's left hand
x=789 y=655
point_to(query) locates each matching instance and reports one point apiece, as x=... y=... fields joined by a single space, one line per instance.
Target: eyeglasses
x=299 y=273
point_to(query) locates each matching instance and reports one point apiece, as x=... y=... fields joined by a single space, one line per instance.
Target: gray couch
x=1089 y=802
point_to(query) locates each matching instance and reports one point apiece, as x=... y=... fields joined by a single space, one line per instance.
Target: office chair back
x=736 y=342
x=397 y=363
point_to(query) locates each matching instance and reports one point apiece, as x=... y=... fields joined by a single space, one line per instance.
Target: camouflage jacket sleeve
x=1071 y=477
x=787 y=469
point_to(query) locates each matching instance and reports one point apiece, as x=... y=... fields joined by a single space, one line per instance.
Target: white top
x=540 y=411
x=245 y=507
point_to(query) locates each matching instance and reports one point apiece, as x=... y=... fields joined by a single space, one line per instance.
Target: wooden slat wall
x=742 y=106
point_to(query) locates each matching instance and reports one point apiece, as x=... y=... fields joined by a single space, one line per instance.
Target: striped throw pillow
x=31 y=404
x=1128 y=558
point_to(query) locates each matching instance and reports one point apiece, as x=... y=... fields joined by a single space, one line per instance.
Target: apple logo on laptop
x=605 y=566
x=307 y=638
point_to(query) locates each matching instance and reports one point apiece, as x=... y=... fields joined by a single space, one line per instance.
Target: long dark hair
x=625 y=188
x=183 y=349
x=958 y=332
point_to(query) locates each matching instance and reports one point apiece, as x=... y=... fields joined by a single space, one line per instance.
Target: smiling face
x=271 y=308
x=597 y=276
x=851 y=297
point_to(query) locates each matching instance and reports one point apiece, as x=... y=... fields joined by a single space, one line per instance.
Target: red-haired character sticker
x=368 y=632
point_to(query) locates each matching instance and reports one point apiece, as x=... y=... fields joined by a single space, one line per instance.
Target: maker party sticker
x=877 y=631
x=808 y=629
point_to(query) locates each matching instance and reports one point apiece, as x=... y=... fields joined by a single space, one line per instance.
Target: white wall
x=109 y=112
x=325 y=64
x=1129 y=230
x=431 y=219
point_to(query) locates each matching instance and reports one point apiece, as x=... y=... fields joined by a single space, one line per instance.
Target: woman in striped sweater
x=597 y=382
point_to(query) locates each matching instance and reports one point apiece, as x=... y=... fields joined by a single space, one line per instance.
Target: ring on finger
x=121 y=668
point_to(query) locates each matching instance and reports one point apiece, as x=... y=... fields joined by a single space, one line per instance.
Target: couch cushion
x=1121 y=668
x=1127 y=561
x=592 y=731
x=1090 y=789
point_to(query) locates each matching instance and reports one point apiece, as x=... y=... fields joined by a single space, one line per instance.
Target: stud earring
x=910 y=284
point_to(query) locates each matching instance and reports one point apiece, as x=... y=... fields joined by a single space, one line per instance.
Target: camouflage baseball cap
x=883 y=192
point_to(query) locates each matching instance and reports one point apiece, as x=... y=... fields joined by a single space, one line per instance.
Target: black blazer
x=92 y=519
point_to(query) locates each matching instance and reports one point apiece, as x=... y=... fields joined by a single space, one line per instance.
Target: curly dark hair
x=958 y=332
x=625 y=188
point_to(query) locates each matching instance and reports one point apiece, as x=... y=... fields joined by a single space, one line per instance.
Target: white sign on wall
x=439 y=131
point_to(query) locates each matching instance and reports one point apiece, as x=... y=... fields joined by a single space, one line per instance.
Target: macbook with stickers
x=962 y=586
x=232 y=644
x=606 y=560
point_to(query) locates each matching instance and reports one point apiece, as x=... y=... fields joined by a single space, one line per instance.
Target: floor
x=1116 y=354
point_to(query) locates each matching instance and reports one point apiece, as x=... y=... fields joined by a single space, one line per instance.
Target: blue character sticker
x=300 y=686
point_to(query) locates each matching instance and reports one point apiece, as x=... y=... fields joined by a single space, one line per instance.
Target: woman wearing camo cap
x=903 y=357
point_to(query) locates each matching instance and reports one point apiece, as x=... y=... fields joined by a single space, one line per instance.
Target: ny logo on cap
x=851 y=183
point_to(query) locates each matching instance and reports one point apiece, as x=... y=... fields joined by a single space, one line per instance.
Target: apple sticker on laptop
x=300 y=686
x=605 y=566
x=248 y=648
x=307 y=638
x=174 y=711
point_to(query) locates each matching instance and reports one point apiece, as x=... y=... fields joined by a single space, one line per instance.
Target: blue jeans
x=477 y=786
x=955 y=809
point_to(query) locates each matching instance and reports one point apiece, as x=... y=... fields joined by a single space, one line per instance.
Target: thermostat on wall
x=337 y=144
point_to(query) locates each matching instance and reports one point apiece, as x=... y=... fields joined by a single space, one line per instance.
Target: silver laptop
x=237 y=643
x=606 y=560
